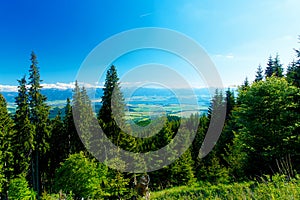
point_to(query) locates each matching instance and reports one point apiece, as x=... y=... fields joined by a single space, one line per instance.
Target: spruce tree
x=6 y=149
x=230 y=102
x=74 y=143
x=216 y=101
x=259 y=74
x=293 y=71
x=58 y=145
x=84 y=115
x=39 y=112
x=24 y=137
x=246 y=84
x=277 y=67
x=111 y=114
x=270 y=67
x=112 y=100
x=111 y=119
x=290 y=74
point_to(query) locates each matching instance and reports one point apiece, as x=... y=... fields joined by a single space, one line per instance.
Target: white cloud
x=8 y=88
x=58 y=85
x=226 y=56
x=145 y=14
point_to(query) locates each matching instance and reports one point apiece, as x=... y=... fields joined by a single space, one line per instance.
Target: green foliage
x=274 y=68
x=82 y=176
x=39 y=113
x=112 y=100
x=117 y=184
x=59 y=196
x=111 y=115
x=6 y=146
x=39 y=110
x=277 y=67
x=24 y=137
x=268 y=118
x=59 y=143
x=270 y=68
x=181 y=171
x=83 y=114
x=199 y=137
x=293 y=71
x=211 y=170
x=18 y=189
x=259 y=74
x=75 y=145
x=277 y=188
x=261 y=129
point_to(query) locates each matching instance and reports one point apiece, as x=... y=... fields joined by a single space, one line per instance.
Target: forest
x=256 y=157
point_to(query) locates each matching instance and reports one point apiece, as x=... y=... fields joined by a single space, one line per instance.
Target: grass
x=277 y=188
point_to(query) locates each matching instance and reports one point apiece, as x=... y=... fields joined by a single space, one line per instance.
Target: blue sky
x=237 y=35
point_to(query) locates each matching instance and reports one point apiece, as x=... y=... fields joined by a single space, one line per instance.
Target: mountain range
x=140 y=101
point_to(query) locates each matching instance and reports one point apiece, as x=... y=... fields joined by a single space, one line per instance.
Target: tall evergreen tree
x=74 y=143
x=230 y=102
x=216 y=103
x=270 y=67
x=111 y=114
x=277 y=67
x=259 y=74
x=24 y=137
x=181 y=171
x=6 y=148
x=111 y=118
x=58 y=145
x=246 y=84
x=112 y=100
x=39 y=112
x=293 y=71
x=83 y=116
x=290 y=73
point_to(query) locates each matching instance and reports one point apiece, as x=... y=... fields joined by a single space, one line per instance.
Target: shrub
x=18 y=189
x=82 y=176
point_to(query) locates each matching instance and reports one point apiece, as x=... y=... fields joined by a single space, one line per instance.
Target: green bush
x=46 y=196
x=82 y=176
x=18 y=189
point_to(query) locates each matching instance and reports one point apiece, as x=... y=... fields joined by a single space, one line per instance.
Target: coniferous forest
x=256 y=157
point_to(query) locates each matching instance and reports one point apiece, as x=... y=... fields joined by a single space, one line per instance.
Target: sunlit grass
x=277 y=188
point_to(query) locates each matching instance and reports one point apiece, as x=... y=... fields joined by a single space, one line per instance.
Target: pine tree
x=113 y=106
x=24 y=137
x=111 y=114
x=246 y=84
x=259 y=74
x=226 y=137
x=216 y=103
x=74 y=143
x=83 y=117
x=181 y=171
x=293 y=71
x=6 y=148
x=290 y=74
x=270 y=67
x=230 y=102
x=111 y=119
x=39 y=112
x=277 y=67
x=58 y=145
